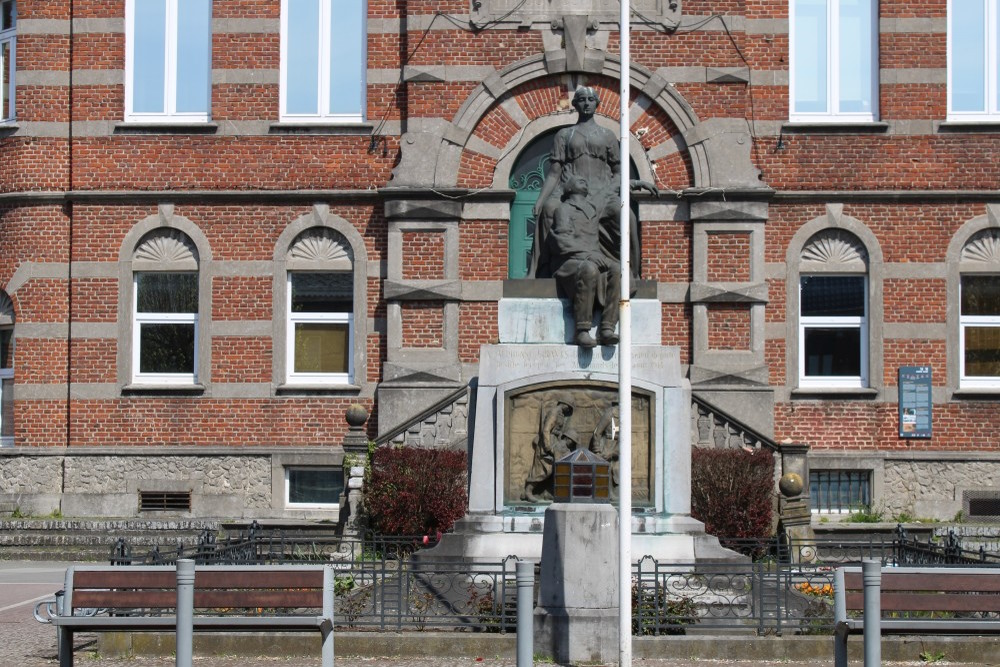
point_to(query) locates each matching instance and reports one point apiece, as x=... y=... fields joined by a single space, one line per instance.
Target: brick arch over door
x=670 y=144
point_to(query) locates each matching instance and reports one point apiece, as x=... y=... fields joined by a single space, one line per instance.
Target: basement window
x=164 y=501
x=839 y=491
x=313 y=487
x=981 y=505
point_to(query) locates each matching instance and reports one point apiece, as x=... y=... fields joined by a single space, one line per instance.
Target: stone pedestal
x=577 y=616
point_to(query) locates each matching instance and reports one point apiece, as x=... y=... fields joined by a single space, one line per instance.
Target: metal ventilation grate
x=982 y=505
x=164 y=501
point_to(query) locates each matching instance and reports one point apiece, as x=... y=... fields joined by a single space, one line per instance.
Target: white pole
x=625 y=366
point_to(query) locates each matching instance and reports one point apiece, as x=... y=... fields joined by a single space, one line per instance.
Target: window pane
x=855 y=56
x=321 y=347
x=315 y=487
x=194 y=47
x=833 y=296
x=832 y=352
x=810 y=53
x=166 y=348
x=322 y=292
x=7 y=15
x=149 y=56
x=302 y=62
x=968 y=55
x=982 y=351
x=167 y=292
x=346 y=57
x=981 y=295
x=7 y=348
x=7 y=408
x=6 y=72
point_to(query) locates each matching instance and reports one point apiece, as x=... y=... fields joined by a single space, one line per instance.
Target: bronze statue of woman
x=589 y=152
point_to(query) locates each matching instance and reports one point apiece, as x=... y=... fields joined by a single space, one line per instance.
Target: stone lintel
x=742 y=211
x=729 y=292
x=422 y=209
x=422 y=290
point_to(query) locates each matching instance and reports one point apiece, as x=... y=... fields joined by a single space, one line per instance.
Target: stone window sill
x=143 y=388
x=834 y=392
x=166 y=128
x=813 y=127
x=977 y=392
x=969 y=127
x=305 y=388
x=346 y=129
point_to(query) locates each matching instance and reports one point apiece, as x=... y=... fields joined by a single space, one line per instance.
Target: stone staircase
x=90 y=539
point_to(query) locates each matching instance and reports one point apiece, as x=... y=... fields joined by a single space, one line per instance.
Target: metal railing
x=393 y=584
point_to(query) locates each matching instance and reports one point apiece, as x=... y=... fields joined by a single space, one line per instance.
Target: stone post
x=355 y=451
x=795 y=516
x=577 y=616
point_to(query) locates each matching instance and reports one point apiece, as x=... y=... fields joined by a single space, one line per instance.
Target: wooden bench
x=920 y=601
x=220 y=598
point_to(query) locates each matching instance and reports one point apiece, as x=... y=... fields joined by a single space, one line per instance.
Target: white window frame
x=323 y=84
x=7 y=97
x=331 y=379
x=832 y=115
x=830 y=322
x=308 y=506
x=990 y=73
x=139 y=319
x=170 y=82
x=990 y=321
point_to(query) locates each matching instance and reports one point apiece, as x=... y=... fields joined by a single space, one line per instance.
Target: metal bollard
x=525 y=575
x=185 y=612
x=871 y=575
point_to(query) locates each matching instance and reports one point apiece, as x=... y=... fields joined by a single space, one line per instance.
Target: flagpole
x=625 y=363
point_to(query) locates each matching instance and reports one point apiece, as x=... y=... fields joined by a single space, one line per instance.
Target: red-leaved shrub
x=732 y=491
x=414 y=491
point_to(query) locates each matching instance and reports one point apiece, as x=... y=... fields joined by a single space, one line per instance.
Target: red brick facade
x=76 y=180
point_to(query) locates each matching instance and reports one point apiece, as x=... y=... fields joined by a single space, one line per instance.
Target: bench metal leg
x=65 y=646
x=326 y=633
x=840 y=646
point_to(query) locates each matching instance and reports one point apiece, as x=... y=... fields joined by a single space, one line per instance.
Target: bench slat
x=929 y=626
x=985 y=581
x=206 y=623
x=159 y=599
x=120 y=577
x=259 y=598
x=124 y=599
x=207 y=578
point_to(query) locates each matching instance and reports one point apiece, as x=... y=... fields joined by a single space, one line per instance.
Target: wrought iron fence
x=393 y=584
x=758 y=597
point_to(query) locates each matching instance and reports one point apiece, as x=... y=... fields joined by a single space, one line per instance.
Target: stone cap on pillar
x=356 y=440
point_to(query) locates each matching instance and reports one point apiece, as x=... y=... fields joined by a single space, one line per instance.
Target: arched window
x=833 y=311
x=165 y=309
x=526 y=178
x=320 y=305
x=979 y=311
x=320 y=314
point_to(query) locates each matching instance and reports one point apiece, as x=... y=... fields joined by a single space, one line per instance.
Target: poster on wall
x=915 y=401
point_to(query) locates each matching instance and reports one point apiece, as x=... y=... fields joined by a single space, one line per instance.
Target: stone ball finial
x=356 y=415
x=791 y=484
